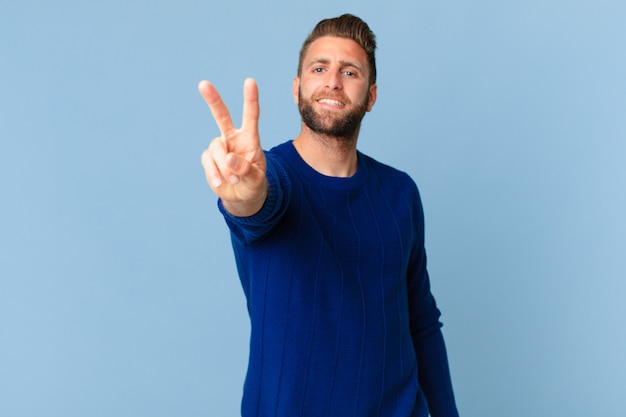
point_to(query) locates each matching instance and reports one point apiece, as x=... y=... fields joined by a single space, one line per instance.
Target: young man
x=329 y=245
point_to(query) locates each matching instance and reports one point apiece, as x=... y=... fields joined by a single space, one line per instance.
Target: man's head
x=335 y=85
x=349 y=27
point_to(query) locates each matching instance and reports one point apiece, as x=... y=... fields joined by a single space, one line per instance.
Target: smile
x=330 y=102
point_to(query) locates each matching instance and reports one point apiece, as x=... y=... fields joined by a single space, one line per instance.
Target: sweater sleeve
x=430 y=349
x=248 y=230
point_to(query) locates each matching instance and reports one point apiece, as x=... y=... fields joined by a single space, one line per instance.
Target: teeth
x=331 y=102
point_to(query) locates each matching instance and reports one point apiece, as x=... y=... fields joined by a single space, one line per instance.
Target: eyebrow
x=327 y=61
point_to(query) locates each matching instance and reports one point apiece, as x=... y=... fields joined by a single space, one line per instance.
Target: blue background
x=118 y=291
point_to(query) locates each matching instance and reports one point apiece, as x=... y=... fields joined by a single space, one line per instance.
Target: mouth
x=331 y=102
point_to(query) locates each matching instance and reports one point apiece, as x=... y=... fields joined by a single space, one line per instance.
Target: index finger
x=218 y=108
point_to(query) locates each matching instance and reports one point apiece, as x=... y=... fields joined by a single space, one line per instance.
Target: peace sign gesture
x=234 y=163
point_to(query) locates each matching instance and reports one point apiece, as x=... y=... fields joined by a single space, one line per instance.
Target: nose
x=333 y=80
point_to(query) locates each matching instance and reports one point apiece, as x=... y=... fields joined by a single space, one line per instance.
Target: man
x=329 y=245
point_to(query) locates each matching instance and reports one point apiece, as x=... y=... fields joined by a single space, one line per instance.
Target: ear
x=372 y=98
x=295 y=90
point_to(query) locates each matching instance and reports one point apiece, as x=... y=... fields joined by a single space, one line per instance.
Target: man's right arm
x=249 y=229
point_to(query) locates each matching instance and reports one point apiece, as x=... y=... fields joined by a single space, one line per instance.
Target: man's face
x=333 y=92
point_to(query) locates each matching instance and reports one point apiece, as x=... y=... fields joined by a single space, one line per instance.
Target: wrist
x=248 y=207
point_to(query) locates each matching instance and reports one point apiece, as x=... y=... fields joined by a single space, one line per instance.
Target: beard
x=332 y=124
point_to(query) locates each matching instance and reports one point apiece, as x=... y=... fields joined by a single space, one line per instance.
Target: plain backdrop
x=118 y=290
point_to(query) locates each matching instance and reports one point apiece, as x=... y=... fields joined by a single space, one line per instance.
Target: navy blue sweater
x=343 y=322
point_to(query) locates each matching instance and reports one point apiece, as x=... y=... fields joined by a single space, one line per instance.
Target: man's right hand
x=234 y=163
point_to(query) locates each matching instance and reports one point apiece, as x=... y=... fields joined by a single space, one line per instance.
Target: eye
x=318 y=70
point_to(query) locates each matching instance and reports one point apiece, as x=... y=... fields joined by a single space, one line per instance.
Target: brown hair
x=345 y=26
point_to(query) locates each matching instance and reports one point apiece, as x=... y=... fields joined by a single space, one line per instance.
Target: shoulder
x=396 y=185
x=283 y=157
x=388 y=174
x=283 y=151
x=278 y=161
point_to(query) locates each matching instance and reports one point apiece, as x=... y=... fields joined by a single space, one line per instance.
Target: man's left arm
x=430 y=349
x=434 y=375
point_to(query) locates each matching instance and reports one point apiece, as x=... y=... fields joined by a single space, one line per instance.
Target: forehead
x=335 y=49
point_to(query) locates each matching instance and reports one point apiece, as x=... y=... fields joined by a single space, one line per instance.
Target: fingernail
x=216 y=182
x=233 y=179
x=234 y=162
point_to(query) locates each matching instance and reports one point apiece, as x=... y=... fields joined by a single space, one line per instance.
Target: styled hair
x=344 y=26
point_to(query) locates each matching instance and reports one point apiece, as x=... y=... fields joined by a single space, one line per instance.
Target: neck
x=330 y=156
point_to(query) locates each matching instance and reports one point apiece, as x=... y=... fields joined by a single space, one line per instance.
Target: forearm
x=434 y=375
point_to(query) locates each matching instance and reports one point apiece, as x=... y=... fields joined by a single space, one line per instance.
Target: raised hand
x=234 y=163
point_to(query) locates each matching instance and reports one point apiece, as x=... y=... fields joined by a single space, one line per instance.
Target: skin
x=332 y=68
x=334 y=80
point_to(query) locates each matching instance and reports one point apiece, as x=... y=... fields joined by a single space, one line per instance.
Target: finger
x=251 y=109
x=219 y=156
x=211 y=172
x=244 y=172
x=218 y=108
x=239 y=167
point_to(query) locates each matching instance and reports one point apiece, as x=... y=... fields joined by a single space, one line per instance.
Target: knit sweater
x=343 y=322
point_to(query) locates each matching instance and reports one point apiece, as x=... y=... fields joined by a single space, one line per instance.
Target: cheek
x=305 y=89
